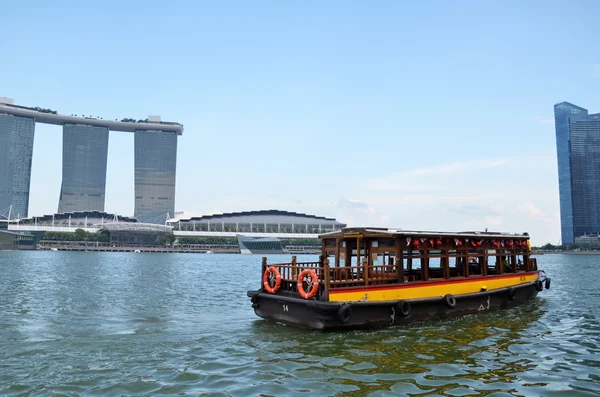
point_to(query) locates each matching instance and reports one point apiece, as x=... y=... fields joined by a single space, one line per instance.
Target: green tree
x=80 y=235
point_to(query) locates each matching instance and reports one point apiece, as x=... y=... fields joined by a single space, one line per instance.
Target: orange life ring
x=267 y=277
x=313 y=288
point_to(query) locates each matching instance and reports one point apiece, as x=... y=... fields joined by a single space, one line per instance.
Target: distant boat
x=137 y=251
x=53 y=249
x=209 y=252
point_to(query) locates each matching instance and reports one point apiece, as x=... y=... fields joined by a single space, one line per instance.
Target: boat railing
x=333 y=277
x=364 y=274
x=349 y=276
x=290 y=271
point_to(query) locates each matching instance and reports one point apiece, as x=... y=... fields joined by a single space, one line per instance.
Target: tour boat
x=373 y=277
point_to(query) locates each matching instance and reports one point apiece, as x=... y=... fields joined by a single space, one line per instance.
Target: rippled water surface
x=180 y=324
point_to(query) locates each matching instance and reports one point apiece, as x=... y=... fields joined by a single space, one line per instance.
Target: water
x=180 y=324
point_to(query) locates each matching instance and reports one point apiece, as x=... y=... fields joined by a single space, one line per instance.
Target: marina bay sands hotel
x=84 y=159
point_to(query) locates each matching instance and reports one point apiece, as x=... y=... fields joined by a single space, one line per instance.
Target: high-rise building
x=85 y=150
x=578 y=155
x=155 y=167
x=16 y=150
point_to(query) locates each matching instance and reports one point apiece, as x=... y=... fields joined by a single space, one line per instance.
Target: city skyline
x=387 y=115
x=84 y=161
x=578 y=148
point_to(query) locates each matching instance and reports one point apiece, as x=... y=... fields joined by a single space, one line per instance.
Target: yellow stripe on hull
x=429 y=290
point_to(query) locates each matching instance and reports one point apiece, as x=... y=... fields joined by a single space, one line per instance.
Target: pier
x=99 y=247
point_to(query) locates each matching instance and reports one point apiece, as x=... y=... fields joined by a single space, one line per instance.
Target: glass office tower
x=155 y=168
x=85 y=150
x=16 y=150
x=578 y=155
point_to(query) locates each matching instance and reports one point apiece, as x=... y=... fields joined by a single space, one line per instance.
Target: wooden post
x=399 y=262
x=294 y=269
x=526 y=260
x=483 y=262
x=323 y=251
x=424 y=265
x=446 y=260
x=513 y=259
x=358 y=261
x=326 y=279
x=365 y=265
x=337 y=252
x=264 y=268
x=465 y=256
x=348 y=255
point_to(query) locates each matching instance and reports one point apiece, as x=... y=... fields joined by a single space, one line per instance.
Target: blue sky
x=425 y=115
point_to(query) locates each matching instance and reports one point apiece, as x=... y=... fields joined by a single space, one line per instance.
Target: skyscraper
x=16 y=150
x=85 y=150
x=84 y=160
x=155 y=166
x=578 y=155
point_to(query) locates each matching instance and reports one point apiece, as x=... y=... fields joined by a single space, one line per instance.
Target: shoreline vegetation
x=565 y=252
x=81 y=240
x=81 y=235
x=567 y=249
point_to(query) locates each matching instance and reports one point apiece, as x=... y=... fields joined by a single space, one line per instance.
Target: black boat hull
x=321 y=315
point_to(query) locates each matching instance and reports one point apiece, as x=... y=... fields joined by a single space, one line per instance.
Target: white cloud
x=359 y=213
x=493 y=220
x=472 y=207
x=543 y=120
x=534 y=213
x=401 y=181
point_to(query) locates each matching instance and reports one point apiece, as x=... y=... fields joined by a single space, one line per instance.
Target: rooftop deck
x=60 y=119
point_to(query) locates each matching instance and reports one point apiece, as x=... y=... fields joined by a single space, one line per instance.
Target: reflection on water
x=144 y=324
x=475 y=352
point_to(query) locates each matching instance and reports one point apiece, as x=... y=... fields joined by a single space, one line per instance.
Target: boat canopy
x=353 y=232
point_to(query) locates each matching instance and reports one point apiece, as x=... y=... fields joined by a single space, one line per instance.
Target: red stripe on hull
x=426 y=283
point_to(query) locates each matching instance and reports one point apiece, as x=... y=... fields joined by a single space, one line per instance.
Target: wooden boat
x=372 y=277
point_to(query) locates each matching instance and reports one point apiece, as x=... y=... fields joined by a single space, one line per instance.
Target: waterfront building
x=259 y=245
x=16 y=241
x=16 y=151
x=269 y=231
x=85 y=150
x=265 y=223
x=69 y=221
x=578 y=156
x=155 y=169
x=588 y=239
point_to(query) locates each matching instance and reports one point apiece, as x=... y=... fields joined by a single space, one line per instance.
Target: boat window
x=456 y=264
x=520 y=263
x=506 y=267
x=343 y=258
x=412 y=267
x=436 y=270
x=493 y=266
x=475 y=262
x=377 y=259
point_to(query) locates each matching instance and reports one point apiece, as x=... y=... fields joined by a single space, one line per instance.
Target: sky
x=427 y=115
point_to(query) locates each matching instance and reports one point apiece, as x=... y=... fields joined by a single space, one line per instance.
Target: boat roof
x=352 y=232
